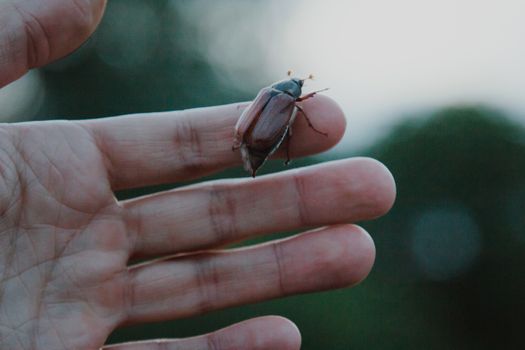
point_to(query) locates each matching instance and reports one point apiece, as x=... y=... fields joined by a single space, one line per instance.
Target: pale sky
x=382 y=59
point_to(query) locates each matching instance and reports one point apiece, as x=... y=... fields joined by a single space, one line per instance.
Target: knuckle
x=301 y=188
x=188 y=148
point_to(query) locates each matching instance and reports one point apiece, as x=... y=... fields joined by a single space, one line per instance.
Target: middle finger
x=215 y=213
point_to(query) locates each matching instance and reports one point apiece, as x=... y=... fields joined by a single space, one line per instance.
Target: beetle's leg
x=237 y=142
x=288 y=138
x=309 y=122
x=306 y=97
x=309 y=95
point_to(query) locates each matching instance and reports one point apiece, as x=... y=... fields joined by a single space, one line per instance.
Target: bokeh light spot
x=446 y=242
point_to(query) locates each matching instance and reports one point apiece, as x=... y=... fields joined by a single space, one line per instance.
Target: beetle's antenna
x=310 y=77
x=321 y=90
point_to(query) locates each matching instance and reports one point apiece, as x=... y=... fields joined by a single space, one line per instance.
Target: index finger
x=156 y=148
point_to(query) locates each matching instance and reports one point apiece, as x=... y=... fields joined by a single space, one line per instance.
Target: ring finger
x=328 y=258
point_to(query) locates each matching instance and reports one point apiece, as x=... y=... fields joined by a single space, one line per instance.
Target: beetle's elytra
x=268 y=120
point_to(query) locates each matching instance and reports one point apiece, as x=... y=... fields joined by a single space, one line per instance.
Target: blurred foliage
x=100 y=79
x=467 y=157
x=475 y=158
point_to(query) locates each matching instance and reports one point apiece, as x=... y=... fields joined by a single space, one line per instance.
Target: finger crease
x=100 y=142
x=133 y=221
x=222 y=214
x=81 y=8
x=276 y=249
x=301 y=195
x=213 y=342
x=38 y=40
x=207 y=279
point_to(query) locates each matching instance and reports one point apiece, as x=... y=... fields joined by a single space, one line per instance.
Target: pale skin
x=66 y=242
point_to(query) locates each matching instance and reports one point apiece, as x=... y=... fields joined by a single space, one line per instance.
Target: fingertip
x=327 y=116
x=286 y=334
x=352 y=255
x=262 y=333
x=380 y=188
x=329 y=112
x=360 y=255
x=97 y=10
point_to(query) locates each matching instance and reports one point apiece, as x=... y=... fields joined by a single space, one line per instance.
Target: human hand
x=66 y=241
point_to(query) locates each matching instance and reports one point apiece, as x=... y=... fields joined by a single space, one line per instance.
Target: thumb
x=36 y=32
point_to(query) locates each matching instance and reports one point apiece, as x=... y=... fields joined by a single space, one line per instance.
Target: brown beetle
x=268 y=120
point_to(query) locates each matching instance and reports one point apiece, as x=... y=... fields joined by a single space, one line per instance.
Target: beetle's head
x=290 y=86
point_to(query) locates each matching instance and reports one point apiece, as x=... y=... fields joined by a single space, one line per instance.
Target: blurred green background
x=450 y=270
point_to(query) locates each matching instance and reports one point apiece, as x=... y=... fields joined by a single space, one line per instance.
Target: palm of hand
x=65 y=281
x=66 y=268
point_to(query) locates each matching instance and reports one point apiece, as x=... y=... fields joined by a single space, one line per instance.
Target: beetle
x=268 y=120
